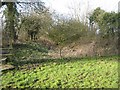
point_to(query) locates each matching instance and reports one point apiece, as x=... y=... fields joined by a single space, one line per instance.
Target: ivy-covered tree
x=11 y=16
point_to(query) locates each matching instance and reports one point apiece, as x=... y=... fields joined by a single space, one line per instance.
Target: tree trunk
x=61 y=52
x=11 y=22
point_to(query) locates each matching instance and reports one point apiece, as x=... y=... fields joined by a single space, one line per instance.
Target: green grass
x=65 y=73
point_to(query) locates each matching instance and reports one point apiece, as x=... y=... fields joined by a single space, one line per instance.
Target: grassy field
x=65 y=73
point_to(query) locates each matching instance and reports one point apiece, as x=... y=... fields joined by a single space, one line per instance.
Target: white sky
x=65 y=6
x=61 y=6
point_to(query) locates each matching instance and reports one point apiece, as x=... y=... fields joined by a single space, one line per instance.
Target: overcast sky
x=65 y=6
x=62 y=6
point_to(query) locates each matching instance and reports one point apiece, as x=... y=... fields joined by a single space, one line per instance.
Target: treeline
x=101 y=27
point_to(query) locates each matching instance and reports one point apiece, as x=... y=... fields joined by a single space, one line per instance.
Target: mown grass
x=65 y=73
